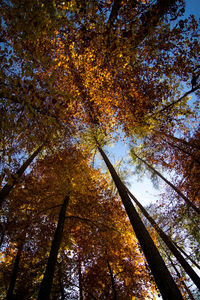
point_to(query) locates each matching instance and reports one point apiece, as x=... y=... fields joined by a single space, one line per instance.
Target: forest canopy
x=76 y=77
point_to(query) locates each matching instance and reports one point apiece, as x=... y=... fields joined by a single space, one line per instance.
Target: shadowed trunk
x=45 y=287
x=112 y=281
x=182 y=281
x=163 y=278
x=13 y=279
x=80 y=279
x=113 y=15
x=182 y=150
x=177 y=140
x=188 y=269
x=191 y=204
x=62 y=290
x=8 y=186
x=188 y=257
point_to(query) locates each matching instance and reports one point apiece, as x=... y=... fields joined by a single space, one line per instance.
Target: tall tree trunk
x=188 y=257
x=45 y=287
x=182 y=150
x=163 y=278
x=179 y=276
x=178 y=140
x=2 y=232
x=13 y=279
x=8 y=186
x=112 y=281
x=62 y=291
x=191 y=204
x=113 y=15
x=188 y=269
x=80 y=279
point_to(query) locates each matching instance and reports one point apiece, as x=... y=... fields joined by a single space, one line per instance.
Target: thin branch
x=92 y=222
x=169 y=106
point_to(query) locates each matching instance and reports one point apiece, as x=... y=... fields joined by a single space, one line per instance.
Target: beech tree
x=45 y=288
x=123 y=69
x=154 y=259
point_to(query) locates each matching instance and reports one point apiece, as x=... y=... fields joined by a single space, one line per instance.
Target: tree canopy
x=76 y=75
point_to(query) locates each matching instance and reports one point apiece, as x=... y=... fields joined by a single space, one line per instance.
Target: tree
x=45 y=288
x=73 y=65
x=165 y=282
x=112 y=281
x=189 y=203
x=14 y=178
x=15 y=269
x=178 y=233
x=182 y=281
x=169 y=244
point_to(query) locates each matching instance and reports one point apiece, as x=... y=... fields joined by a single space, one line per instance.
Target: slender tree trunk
x=178 y=140
x=163 y=278
x=182 y=150
x=8 y=186
x=13 y=279
x=62 y=291
x=114 y=12
x=2 y=232
x=188 y=269
x=188 y=257
x=80 y=279
x=182 y=281
x=112 y=281
x=191 y=204
x=45 y=287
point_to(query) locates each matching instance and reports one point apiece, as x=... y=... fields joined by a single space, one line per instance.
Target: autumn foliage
x=75 y=76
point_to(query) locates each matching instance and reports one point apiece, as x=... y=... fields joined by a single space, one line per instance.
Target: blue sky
x=193 y=7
